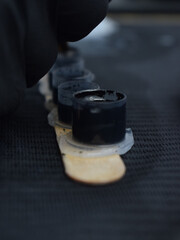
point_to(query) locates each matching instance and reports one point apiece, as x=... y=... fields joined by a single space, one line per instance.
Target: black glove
x=30 y=32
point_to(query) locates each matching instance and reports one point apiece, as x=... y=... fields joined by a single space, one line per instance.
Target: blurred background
x=135 y=50
x=145 y=6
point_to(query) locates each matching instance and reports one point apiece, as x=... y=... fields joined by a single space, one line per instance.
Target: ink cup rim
x=83 y=102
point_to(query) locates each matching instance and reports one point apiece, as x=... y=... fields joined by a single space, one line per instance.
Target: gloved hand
x=30 y=32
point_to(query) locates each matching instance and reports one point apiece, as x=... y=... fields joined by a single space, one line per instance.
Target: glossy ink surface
x=99 y=117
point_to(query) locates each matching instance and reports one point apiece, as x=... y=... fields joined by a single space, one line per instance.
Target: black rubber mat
x=37 y=200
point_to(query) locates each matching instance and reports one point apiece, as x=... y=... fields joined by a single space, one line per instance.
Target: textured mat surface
x=37 y=200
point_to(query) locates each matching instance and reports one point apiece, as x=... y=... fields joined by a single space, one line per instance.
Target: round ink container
x=86 y=76
x=58 y=79
x=64 y=73
x=99 y=117
x=65 y=97
x=71 y=54
x=64 y=58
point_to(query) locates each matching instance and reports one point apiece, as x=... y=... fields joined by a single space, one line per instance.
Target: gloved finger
x=41 y=45
x=76 y=19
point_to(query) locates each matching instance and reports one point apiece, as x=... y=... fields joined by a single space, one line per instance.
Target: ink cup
x=99 y=117
x=71 y=54
x=64 y=58
x=65 y=97
x=58 y=79
x=64 y=73
x=86 y=76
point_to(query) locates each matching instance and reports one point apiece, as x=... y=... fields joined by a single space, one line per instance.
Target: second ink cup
x=65 y=72
x=64 y=58
x=58 y=79
x=66 y=92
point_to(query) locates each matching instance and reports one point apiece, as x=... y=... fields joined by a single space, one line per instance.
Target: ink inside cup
x=99 y=117
x=65 y=97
